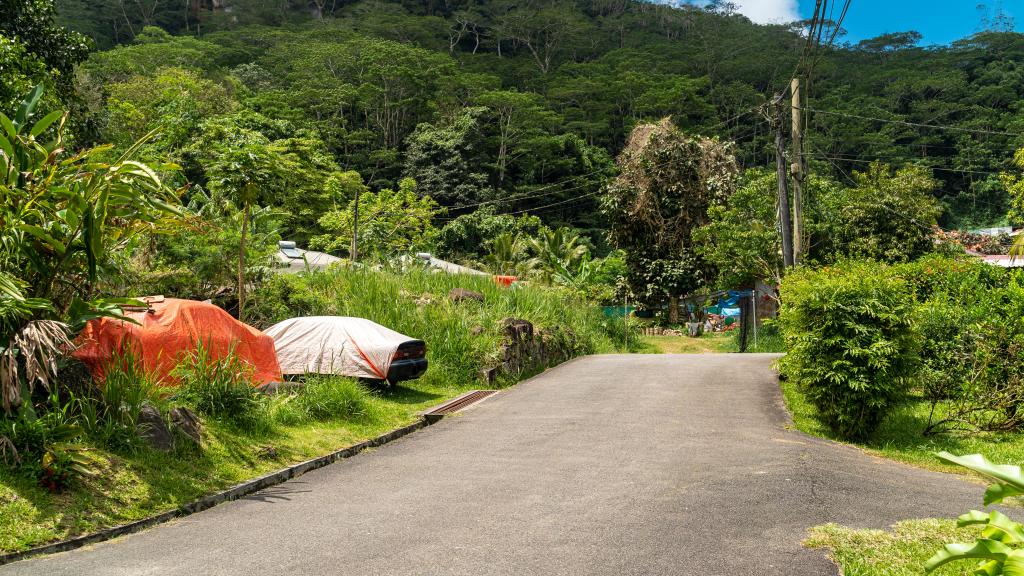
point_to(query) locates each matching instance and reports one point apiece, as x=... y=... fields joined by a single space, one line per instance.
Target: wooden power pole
x=780 y=164
x=798 y=168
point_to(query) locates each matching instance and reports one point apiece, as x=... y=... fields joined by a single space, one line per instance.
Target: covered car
x=347 y=346
x=167 y=331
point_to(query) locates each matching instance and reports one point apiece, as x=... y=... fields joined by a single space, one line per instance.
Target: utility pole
x=798 y=168
x=780 y=164
x=353 y=252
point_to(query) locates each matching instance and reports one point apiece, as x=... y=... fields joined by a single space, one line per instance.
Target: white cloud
x=769 y=11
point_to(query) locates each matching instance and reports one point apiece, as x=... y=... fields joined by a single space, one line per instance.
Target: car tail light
x=407 y=352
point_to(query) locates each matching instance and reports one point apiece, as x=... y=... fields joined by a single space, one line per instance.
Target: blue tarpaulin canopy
x=728 y=303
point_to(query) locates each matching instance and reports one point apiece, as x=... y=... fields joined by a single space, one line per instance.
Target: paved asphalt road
x=612 y=465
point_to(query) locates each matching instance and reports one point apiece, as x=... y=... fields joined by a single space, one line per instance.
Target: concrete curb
x=206 y=502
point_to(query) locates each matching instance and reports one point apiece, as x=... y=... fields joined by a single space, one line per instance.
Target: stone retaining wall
x=525 y=349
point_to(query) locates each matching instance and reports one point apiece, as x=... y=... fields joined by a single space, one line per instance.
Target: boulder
x=186 y=422
x=461 y=295
x=74 y=375
x=152 y=428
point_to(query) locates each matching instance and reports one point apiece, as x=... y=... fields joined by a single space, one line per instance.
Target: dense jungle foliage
x=524 y=103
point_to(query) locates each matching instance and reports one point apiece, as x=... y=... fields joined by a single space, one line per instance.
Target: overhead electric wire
x=939 y=168
x=554 y=187
x=832 y=160
x=911 y=219
x=913 y=124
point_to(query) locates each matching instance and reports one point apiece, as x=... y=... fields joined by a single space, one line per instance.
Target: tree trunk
x=353 y=252
x=241 y=260
x=673 y=310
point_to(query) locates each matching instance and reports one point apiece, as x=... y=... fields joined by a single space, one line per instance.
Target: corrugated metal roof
x=449 y=267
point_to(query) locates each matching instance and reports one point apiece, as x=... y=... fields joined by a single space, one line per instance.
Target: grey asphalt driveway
x=606 y=465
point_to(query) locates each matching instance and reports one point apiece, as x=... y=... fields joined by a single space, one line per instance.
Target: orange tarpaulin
x=505 y=281
x=169 y=331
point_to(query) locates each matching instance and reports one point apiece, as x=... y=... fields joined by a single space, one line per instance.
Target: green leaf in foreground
x=1009 y=480
x=993 y=547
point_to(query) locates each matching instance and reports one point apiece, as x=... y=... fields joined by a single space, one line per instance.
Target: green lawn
x=132 y=487
x=900 y=551
x=768 y=340
x=711 y=343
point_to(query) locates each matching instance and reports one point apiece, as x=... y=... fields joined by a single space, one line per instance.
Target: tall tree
x=667 y=183
x=446 y=159
x=32 y=22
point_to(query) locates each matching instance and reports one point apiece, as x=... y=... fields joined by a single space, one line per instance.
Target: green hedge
x=851 y=342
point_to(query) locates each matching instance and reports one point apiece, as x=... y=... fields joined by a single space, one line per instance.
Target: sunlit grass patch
x=900 y=551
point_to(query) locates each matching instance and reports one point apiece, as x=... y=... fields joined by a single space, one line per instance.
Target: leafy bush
x=970 y=318
x=44 y=446
x=852 y=345
x=221 y=388
x=947 y=342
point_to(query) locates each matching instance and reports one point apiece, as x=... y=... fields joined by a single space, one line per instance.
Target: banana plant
x=62 y=217
x=999 y=548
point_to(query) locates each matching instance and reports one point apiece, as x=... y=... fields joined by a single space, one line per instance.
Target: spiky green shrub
x=851 y=341
x=110 y=415
x=221 y=388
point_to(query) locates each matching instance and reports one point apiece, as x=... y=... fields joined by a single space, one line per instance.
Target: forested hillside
x=527 y=106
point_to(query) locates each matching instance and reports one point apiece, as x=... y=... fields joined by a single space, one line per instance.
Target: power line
x=832 y=159
x=938 y=168
x=914 y=124
x=538 y=208
x=554 y=187
x=910 y=219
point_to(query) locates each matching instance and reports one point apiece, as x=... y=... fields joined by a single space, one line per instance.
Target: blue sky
x=939 y=21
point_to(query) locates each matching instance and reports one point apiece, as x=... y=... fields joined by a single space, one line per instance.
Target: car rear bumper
x=408 y=369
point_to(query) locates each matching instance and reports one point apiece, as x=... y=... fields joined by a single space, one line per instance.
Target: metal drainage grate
x=457 y=404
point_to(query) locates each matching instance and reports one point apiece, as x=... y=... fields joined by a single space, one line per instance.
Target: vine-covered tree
x=667 y=183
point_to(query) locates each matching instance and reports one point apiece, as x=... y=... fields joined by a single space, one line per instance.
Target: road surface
x=612 y=465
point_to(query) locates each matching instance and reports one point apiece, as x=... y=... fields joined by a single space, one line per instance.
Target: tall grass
x=110 y=416
x=462 y=337
x=768 y=339
x=221 y=388
x=333 y=397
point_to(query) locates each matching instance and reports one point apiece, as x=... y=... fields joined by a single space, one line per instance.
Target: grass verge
x=901 y=551
x=132 y=486
x=899 y=436
x=462 y=338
